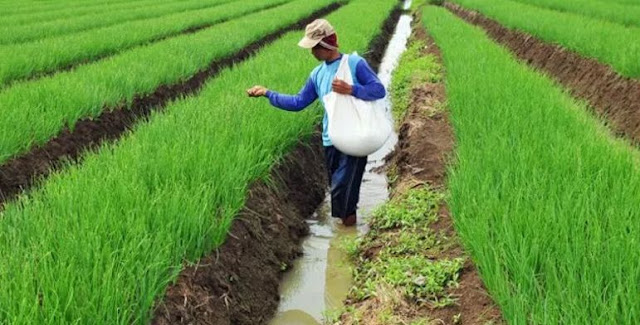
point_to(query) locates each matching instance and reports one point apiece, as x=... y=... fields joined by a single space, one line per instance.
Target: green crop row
x=614 y=12
x=12 y=7
x=30 y=14
x=47 y=55
x=624 y=2
x=33 y=112
x=610 y=43
x=545 y=199
x=21 y=33
x=99 y=243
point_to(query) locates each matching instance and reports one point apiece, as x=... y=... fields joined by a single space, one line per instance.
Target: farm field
x=118 y=79
x=610 y=43
x=542 y=195
x=55 y=53
x=133 y=212
x=627 y=15
x=53 y=11
x=542 y=189
x=77 y=23
x=140 y=184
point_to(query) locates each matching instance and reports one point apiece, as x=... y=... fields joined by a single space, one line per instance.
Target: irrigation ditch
x=320 y=280
x=22 y=172
x=613 y=97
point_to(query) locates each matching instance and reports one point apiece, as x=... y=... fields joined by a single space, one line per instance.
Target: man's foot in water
x=349 y=220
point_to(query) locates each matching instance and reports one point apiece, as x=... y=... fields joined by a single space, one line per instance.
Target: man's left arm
x=370 y=87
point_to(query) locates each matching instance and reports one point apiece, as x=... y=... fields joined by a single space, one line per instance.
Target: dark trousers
x=345 y=177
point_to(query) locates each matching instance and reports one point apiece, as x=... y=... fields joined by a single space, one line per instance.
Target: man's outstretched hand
x=257 y=91
x=341 y=87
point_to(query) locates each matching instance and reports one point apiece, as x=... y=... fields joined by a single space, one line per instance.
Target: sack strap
x=345 y=62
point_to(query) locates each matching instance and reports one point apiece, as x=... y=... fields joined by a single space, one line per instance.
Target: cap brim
x=308 y=43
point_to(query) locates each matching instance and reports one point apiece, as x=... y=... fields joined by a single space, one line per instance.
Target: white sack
x=356 y=127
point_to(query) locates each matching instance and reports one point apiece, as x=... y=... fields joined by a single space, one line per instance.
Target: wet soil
x=614 y=98
x=425 y=148
x=26 y=170
x=238 y=283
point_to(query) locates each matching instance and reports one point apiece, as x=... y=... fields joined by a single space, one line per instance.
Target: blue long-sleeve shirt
x=366 y=86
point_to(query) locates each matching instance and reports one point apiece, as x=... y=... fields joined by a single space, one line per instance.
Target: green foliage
x=12 y=34
x=33 y=112
x=422 y=280
x=50 y=54
x=610 y=43
x=624 y=2
x=414 y=69
x=610 y=11
x=418 y=241
x=331 y=317
x=27 y=13
x=100 y=242
x=409 y=210
x=402 y=260
x=544 y=198
x=352 y=246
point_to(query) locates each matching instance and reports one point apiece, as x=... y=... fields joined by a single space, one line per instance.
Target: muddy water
x=320 y=280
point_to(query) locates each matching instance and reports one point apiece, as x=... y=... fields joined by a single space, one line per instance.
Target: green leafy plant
x=408 y=210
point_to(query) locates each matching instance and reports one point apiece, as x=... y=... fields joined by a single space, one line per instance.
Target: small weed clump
x=415 y=68
x=397 y=264
x=415 y=208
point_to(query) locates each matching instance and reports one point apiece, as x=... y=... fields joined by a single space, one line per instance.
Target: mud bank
x=238 y=283
x=613 y=97
x=24 y=171
x=425 y=147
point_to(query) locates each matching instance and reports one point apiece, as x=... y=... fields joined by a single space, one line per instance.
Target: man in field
x=345 y=172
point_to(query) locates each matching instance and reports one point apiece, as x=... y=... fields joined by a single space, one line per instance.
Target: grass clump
x=414 y=69
x=409 y=210
x=398 y=254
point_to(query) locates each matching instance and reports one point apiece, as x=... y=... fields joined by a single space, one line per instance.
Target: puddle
x=321 y=278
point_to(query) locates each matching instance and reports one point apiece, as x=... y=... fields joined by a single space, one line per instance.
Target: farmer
x=345 y=172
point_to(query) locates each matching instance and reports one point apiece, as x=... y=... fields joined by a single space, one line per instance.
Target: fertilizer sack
x=356 y=127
